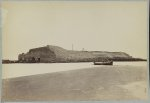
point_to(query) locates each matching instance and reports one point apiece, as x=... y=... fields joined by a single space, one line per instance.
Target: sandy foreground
x=96 y=83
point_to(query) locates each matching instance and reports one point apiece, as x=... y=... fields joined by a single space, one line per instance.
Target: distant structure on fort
x=52 y=54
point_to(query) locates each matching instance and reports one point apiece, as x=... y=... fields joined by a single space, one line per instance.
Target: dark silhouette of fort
x=55 y=54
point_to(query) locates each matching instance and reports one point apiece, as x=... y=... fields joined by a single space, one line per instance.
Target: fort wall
x=51 y=53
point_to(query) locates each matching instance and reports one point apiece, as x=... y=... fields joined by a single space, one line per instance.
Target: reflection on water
x=17 y=70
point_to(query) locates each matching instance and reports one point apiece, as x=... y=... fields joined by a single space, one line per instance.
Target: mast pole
x=72 y=47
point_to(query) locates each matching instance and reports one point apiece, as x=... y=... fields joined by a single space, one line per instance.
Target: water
x=138 y=63
x=18 y=70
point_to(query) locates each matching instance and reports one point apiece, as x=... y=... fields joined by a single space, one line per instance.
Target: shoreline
x=98 y=83
x=14 y=62
x=18 y=70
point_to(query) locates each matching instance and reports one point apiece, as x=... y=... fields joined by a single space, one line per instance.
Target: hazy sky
x=103 y=26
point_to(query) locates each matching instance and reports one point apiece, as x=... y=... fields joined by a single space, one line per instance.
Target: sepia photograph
x=74 y=50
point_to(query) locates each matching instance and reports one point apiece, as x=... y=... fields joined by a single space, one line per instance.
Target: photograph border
x=124 y=101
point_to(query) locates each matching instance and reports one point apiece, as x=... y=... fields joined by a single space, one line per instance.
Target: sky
x=95 y=26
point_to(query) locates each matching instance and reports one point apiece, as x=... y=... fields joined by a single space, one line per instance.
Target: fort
x=55 y=54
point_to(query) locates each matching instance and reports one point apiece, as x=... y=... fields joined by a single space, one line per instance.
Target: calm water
x=17 y=70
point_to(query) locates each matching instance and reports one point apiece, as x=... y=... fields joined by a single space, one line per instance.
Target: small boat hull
x=103 y=63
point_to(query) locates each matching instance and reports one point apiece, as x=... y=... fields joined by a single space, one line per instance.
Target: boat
x=104 y=63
